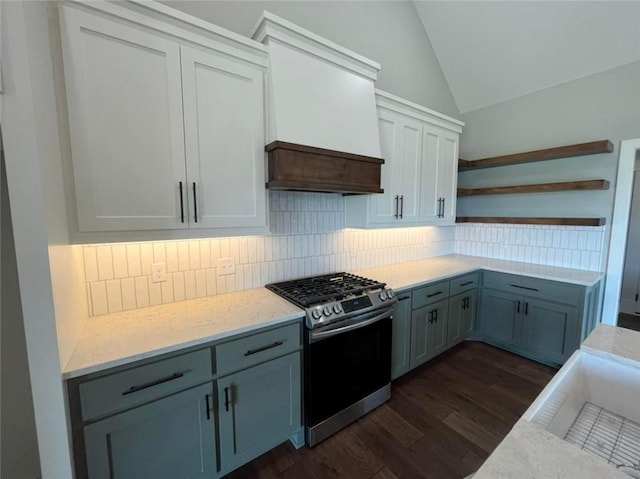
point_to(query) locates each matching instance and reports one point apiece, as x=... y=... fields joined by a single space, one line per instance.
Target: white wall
x=388 y=32
x=18 y=443
x=601 y=106
x=32 y=154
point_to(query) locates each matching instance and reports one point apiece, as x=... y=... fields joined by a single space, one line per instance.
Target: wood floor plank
x=442 y=421
x=402 y=430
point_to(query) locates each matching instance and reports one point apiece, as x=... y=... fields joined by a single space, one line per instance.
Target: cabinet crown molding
x=397 y=104
x=271 y=27
x=178 y=25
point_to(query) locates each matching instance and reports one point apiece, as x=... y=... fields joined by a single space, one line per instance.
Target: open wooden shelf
x=532 y=221
x=536 y=188
x=582 y=149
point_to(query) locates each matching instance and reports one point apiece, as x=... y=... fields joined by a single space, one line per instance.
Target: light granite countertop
x=120 y=338
x=416 y=273
x=531 y=452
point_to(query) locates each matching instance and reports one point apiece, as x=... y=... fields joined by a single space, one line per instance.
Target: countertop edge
x=123 y=361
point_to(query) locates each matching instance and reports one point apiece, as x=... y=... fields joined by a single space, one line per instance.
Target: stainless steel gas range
x=347 y=348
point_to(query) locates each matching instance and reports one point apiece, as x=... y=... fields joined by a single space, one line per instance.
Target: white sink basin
x=594 y=403
x=609 y=384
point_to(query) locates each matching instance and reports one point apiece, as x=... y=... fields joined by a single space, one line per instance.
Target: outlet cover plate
x=226 y=266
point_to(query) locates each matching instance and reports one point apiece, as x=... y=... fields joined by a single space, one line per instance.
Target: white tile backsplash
x=578 y=247
x=308 y=237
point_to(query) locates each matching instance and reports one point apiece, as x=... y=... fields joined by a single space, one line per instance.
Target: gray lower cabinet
x=258 y=408
x=171 y=437
x=544 y=320
x=544 y=326
x=462 y=314
x=401 y=345
x=499 y=316
x=162 y=418
x=428 y=332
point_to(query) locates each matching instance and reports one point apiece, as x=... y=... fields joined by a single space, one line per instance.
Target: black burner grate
x=308 y=292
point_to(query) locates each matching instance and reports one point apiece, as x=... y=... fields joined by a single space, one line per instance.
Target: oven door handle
x=318 y=335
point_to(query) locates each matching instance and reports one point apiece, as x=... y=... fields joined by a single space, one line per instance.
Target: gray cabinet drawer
x=463 y=283
x=537 y=288
x=134 y=386
x=261 y=347
x=430 y=294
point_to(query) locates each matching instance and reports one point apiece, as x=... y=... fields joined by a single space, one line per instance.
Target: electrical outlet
x=226 y=266
x=158 y=272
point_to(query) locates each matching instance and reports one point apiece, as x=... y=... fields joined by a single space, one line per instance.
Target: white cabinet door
x=429 y=204
x=408 y=185
x=383 y=206
x=125 y=113
x=438 y=188
x=448 y=176
x=224 y=140
x=401 y=146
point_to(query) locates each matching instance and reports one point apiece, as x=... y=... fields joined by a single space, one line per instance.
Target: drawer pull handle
x=525 y=287
x=140 y=387
x=434 y=294
x=467 y=283
x=404 y=298
x=226 y=399
x=264 y=348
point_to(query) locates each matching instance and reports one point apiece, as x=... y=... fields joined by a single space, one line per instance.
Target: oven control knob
x=390 y=293
x=316 y=313
x=383 y=296
x=327 y=311
x=337 y=308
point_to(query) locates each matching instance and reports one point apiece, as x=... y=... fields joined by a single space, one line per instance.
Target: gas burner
x=333 y=298
x=318 y=290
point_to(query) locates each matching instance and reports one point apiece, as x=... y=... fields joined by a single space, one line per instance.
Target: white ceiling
x=495 y=51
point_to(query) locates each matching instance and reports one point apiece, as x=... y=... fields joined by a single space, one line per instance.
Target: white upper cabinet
x=439 y=177
x=164 y=135
x=419 y=177
x=400 y=143
x=125 y=115
x=224 y=139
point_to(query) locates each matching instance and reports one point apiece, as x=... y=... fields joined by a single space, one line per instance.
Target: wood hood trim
x=307 y=168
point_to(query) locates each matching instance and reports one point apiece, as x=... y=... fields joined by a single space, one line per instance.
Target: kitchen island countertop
x=120 y=338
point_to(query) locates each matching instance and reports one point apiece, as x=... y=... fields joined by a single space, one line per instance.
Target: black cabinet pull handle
x=396 y=214
x=195 y=203
x=524 y=287
x=434 y=294
x=401 y=206
x=140 y=387
x=404 y=297
x=439 y=207
x=443 y=200
x=518 y=306
x=264 y=348
x=181 y=205
x=206 y=398
x=526 y=308
x=435 y=314
x=226 y=399
x=467 y=283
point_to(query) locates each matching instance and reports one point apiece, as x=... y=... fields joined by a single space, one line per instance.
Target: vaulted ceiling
x=491 y=52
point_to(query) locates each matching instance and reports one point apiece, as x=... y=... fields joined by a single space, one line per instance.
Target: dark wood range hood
x=306 y=168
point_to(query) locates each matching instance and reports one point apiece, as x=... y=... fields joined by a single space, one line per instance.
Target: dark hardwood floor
x=629 y=321
x=442 y=421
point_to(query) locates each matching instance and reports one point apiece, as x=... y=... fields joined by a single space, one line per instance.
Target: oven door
x=346 y=363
